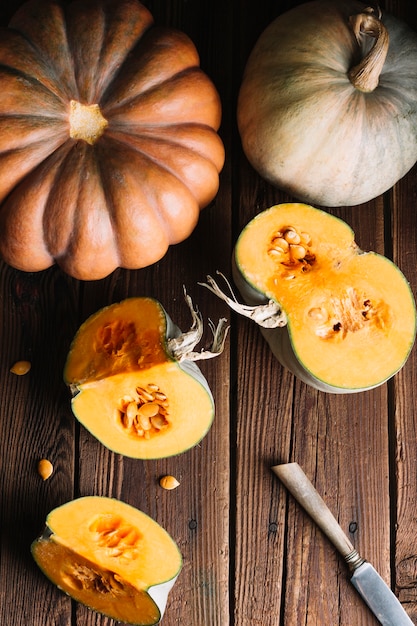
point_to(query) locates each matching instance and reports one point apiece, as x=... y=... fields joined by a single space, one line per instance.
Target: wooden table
x=251 y=556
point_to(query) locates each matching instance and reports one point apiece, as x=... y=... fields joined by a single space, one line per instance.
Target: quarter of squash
x=130 y=390
x=347 y=318
x=110 y=557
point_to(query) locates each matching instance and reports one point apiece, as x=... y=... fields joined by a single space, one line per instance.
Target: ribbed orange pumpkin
x=108 y=137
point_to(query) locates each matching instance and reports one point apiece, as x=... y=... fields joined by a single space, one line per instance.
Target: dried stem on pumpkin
x=182 y=346
x=268 y=315
x=365 y=75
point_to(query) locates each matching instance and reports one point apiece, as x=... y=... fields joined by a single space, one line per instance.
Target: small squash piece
x=110 y=557
x=134 y=389
x=340 y=319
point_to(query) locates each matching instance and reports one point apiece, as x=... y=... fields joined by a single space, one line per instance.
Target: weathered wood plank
x=404 y=425
x=38 y=312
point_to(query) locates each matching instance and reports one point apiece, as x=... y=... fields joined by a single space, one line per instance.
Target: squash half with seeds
x=341 y=319
x=135 y=384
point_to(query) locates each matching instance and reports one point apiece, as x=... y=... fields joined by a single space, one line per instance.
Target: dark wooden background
x=251 y=556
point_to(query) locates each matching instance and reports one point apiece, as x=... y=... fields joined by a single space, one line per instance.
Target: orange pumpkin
x=108 y=137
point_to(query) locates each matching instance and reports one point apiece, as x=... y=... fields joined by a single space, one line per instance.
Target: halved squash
x=135 y=389
x=111 y=557
x=340 y=319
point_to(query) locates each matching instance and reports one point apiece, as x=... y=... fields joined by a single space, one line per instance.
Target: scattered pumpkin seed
x=169 y=482
x=21 y=367
x=45 y=469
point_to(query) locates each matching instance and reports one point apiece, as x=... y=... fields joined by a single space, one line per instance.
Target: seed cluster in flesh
x=348 y=313
x=79 y=576
x=120 y=540
x=291 y=249
x=115 y=338
x=116 y=536
x=338 y=315
x=144 y=413
x=119 y=338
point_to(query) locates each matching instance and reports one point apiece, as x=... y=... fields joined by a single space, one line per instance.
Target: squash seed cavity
x=348 y=313
x=145 y=413
x=119 y=538
x=291 y=249
x=119 y=339
x=82 y=577
x=341 y=315
x=115 y=338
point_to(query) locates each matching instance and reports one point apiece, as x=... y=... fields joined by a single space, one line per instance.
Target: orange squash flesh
x=120 y=338
x=130 y=392
x=350 y=315
x=108 y=556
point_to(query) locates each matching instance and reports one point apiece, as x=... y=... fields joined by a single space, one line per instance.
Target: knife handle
x=303 y=491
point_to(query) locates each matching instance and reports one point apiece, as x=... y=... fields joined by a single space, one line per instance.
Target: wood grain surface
x=251 y=555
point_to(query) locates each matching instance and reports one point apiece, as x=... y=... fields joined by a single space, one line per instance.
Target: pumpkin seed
x=144 y=395
x=319 y=314
x=305 y=239
x=291 y=236
x=158 y=395
x=149 y=409
x=124 y=401
x=143 y=421
x=45 y=469
x=275 y=252
x=116 y=583
x=279 y=243
x=126 y=421
x=21 y=368
x=298 y=252
x=158 y=421
x=169 y=482
x=131 y=410
x=163 y=408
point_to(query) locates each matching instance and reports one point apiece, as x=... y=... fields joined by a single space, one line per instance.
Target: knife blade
x=373 y=589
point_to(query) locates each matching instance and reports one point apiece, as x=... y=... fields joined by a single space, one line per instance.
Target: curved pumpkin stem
x=365 y=75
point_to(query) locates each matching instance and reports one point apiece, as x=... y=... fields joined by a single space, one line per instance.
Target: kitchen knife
x=376 y=593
